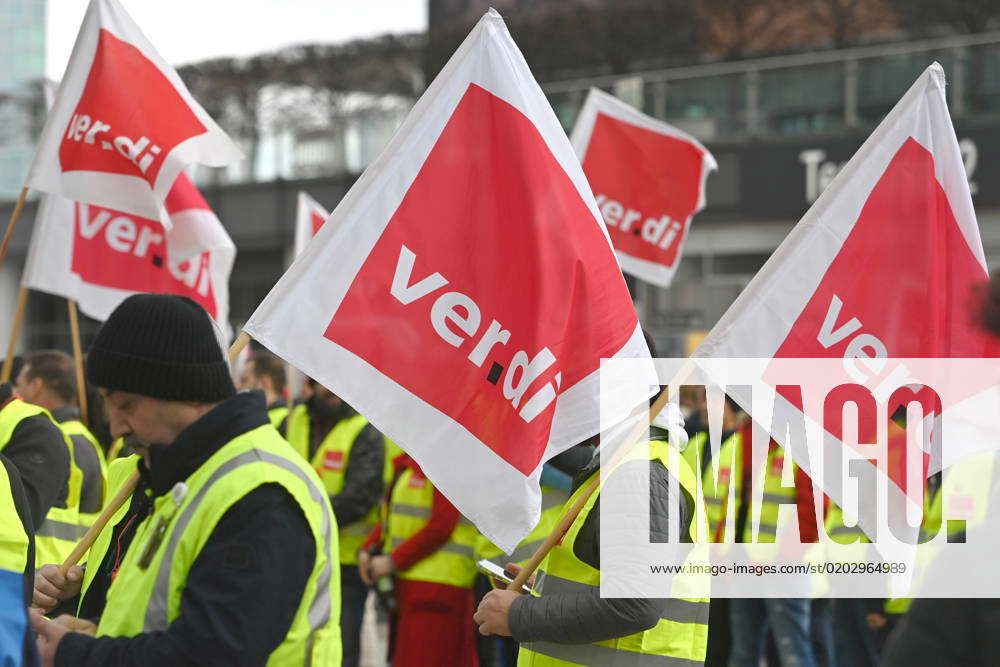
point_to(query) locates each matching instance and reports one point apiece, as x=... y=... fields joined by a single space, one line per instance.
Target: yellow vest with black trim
x=58 y=534
x=85 y=438
x=410 y=507
x=330 y=463
x=14 y=540
x=679 y=639
x=118 y=472
x=147 y=599
x=552 y=504
x=715 y=490
x=775 y=495
x=838 y=531
x=933 y=517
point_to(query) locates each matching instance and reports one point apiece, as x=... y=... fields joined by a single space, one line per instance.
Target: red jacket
x=440 y=525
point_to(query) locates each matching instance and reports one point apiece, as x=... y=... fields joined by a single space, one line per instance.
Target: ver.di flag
x=309 y=217
x=885 y=264
x=464 y=292
x=123 y=125
x=649 y=181
x=98 y=256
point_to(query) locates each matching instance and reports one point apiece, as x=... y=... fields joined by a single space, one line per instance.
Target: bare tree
x=963 y=16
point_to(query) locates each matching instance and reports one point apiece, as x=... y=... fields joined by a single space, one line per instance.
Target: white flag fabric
x=309 y=217
x=884 y=265
x=463 y=293
x=98 y=256
x=123 y=125
x=649 y=181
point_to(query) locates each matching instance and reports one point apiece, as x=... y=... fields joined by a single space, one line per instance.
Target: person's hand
x=364 y=566
x=50 y=634
x=512 y=570
x=51 y=587
x=491 y=617
x=876 y=621
x=381 y=566
x=74 y=624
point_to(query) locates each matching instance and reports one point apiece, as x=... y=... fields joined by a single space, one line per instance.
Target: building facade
x=780 y=128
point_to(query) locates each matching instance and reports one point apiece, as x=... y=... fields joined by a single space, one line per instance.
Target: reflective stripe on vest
x=838 y=531
x=319 y=609
x=715 y=490
x=410 y=505
x=595 y=654
x=774 y=496
x=143 y=599
x=90 y=488
x=679 y=639
x=678 y=610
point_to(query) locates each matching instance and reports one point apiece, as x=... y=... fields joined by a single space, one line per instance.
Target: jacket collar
x=67 y=413
x=194 y=445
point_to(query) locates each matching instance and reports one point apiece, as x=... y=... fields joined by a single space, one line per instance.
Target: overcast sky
x=184 y=31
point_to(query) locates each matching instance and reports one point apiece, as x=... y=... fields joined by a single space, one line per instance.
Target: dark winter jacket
x=940 y=632
x=39 y=452
x=246 y=584
x=363 y=483
x=586 y=617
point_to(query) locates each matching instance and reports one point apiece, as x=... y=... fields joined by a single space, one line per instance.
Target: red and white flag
x=649 y=181
x=884 y=265
x=123 y=125
x=309 y=217
x=464 y=292
x=98 y=256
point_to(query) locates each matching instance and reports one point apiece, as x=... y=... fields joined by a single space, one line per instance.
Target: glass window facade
x=22 y=68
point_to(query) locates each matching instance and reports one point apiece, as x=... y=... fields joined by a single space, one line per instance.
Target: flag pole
x=241 y=342
x=12 y=223
x=81 y=385
x=574 y=511
x=15 y=331
x=83 y=546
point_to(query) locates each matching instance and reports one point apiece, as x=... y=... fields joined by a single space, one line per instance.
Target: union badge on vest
x=334 y=461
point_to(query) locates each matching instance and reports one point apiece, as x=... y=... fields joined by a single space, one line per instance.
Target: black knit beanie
x=160 y=346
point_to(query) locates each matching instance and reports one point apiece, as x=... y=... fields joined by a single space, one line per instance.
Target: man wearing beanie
x=236 y=562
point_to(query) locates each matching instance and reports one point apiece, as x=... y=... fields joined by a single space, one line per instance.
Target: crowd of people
x=253 y=531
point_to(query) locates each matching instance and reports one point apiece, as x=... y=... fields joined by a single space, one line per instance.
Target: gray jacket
x=586 y=617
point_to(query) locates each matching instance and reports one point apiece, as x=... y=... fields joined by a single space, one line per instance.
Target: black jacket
x=586 y=617
x=247 y=582
x=940 y=632
x=38 y=451
x=363 y=483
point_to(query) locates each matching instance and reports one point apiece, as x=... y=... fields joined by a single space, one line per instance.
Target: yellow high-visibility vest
x=146 y=597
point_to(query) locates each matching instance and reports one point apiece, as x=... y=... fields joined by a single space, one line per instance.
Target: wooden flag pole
x=83 y=546
x=241 y=342
x=15 y=331
x=81 y=385
x=12 y=223
x=574 y=511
